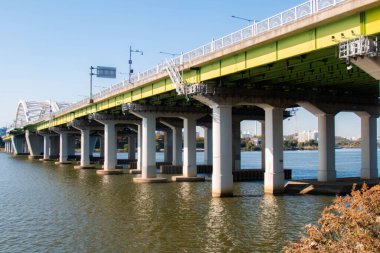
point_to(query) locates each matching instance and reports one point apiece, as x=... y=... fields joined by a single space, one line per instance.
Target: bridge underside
x=319 y=75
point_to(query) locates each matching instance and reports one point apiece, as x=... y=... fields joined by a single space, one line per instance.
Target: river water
x=50 y=208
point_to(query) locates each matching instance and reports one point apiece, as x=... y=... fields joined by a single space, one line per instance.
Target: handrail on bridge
x=293 y=14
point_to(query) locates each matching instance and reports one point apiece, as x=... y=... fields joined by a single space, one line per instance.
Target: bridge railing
x=291 y=15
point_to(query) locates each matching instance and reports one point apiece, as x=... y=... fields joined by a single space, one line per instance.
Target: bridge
x=322 y=55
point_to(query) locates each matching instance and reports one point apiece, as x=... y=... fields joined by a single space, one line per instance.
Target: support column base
x=134 y=171
x=46 y=159
x=110 y=172
x=84 y=167
x=274 y=182
x=222 y=194
x=368 y=173
x=327 y=176
x=118 y=167
x=150 y=180
x=63 y=163
x=187 y=179
x=36 y=157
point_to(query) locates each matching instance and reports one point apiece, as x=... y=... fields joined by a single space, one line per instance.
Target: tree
x=350 y=224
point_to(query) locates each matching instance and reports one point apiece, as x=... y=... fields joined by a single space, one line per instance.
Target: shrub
x=350 y=224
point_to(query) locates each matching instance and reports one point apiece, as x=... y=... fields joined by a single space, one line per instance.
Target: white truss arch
x=29 y=111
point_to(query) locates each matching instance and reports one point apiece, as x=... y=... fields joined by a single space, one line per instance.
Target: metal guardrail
x=293 y=14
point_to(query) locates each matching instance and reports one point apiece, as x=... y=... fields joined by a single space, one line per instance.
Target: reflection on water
x=49 y=208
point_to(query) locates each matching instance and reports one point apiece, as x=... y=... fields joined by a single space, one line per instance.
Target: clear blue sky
x=47 y=46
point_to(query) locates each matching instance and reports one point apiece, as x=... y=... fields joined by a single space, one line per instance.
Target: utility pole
x=130 y=61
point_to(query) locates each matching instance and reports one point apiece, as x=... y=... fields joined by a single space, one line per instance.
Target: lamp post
x=130 y=60
x=91 y=74
x=245 y=19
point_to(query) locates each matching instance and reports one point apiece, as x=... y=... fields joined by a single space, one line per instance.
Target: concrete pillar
x=24 y=145
x=63 y=142
x=369 y=147
x=139 y=147
x=326 y=148
x=274 y=161
x=207 y=146
x=54 y=146
x=47 y=144
x=85 y=148
x=177 y=146
x=222 y=179
x=71 y=145
x=101 y=145
x=168 y=146
x=263 y=145
x=132 y=147
x=236 y=149
x=110 y=159
x=148 y=146
x=14 y=145
x=189 y=154
x=93 y=140
x=35 y=144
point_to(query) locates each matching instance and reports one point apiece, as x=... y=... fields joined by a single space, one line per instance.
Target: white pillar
x=71 y=145
x=148 y=147
x=369 y=147
x=132 y=147
x=63 y=147
x=222 y=179
x=236 y=149
x=168 y=146
x=139 y=147
x=85 y=147
x=207 y=146
x=189 y=150
x=110 y=159
x=54 y=146
x=263 y=145
x=177 y=146
x=15 y=145
x=274 y=161
x=34 y=143
x=93 y=140
x=101 y=146
x=47 y=146
x=326 y=148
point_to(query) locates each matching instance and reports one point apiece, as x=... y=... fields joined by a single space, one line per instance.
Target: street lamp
x=245 y=19
x=172 y=54
x=130 y=60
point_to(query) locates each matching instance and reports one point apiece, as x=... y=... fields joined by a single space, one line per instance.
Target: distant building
x=256 y=141
x=306 y=136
